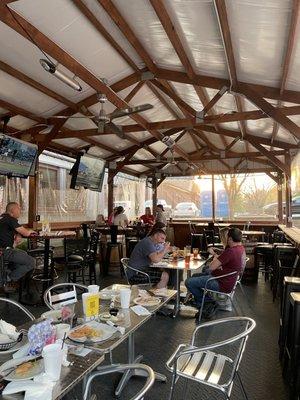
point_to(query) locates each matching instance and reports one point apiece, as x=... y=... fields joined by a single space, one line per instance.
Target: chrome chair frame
x=124 y=262
x=228 y=295
x=48 y=291
x=186 y=359
x=126 y=368
x=18 y=305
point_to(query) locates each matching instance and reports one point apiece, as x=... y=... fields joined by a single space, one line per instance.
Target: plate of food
x=106 y=316
x=92 y=331
x=147 y=301
x=26 y=370
x=55 y=315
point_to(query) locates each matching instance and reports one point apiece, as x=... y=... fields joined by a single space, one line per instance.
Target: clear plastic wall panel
x=295 y=182
x=246 y=197
x=114 y=31
x=259 y=32
x=197 y=26
x=67 y=24
x=58 y=203
x=188 y=94
x=143 y=20
x=14 y=189
x=129 y=192
x=24 y=56
x=18 y=93
x=180 y=197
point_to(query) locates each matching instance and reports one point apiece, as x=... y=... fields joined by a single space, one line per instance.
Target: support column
x=288 y=191
x=280 y=203
x=213 y=198
x=154 y=194
x=32 y=204
x=110 y=194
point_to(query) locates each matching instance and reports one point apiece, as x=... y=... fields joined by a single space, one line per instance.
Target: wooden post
x=280 y=204
x=154 y=194
x=213 y=198
x=288 y=191
x=32 y=204
x=110 y=194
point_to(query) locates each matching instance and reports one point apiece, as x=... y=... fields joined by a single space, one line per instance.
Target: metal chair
x=59 y=298
x=18 y=305
x=203 y=365
x=145 y=278
x=147 y=372
x=228 y=296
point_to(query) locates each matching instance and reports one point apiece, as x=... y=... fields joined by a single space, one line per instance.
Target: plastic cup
x=195 y=252
x=93 y=289
x=125 y=294
x=53 y=356
x=187 y=258
x=61 y=330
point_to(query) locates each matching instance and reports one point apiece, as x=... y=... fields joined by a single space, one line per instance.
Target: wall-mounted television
x=17 y=158
x=88 y=172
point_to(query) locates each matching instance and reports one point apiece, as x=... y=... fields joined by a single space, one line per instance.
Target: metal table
x=180 y=265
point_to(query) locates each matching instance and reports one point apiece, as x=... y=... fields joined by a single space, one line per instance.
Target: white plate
x=106 y=316
x=55 y=315
x=36 y=370
x=107 y=332
x=147 y=302
x=16 y=347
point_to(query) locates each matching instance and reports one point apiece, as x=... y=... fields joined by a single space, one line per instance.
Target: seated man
x=149 y=250
x=231 y=259
x=10 y=234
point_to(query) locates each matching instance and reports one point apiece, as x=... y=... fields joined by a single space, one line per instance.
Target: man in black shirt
x=10 y=234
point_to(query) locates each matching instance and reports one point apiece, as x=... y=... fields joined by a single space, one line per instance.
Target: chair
x=19 y=306
x=207 y=367
x=147 y=371
x=75 y=251
x=143 y=277
x=59 y=298
x=113 y=243
x=229 y=296
x=196 y=238
x=90 y=258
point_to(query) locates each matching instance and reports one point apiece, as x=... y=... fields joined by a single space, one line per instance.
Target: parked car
x=186 y=210
x=272 y=208
x=167 y=207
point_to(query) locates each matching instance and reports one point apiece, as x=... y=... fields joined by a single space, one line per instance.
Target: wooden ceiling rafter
x=287 y=57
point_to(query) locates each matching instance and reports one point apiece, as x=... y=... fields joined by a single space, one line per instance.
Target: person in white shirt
x=120 y=218
x=160 y=215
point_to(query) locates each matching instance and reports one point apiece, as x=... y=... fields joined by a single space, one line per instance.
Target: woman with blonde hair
x=223 y=233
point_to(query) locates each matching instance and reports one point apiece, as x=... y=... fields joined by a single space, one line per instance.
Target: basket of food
x=6 y=342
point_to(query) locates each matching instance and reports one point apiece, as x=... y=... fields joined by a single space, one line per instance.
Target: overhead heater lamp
x=52 y=69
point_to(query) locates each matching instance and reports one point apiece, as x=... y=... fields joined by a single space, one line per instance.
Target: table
x=47 y=236
x=180 y=265
x=253 y=233
x=135 y=322
x=70 y=376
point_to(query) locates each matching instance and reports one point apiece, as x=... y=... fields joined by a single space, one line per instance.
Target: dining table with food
x=46 y=357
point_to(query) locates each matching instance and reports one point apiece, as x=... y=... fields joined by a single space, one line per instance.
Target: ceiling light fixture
x=52 y=69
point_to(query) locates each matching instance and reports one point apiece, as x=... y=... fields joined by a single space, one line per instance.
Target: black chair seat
x=74 y=258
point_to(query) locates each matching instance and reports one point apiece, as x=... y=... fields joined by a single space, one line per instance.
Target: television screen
x=17 y=158
x=88 y=171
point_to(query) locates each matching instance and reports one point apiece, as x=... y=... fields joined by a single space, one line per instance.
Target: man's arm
x=24 y=231
x=215 y=264
x=158 y=255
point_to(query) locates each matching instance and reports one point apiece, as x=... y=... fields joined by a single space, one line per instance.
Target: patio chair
x=19 y=306
x=208 y=367
x=227 y=296
x=126 y=368
x=60 y=298
x=143 y=277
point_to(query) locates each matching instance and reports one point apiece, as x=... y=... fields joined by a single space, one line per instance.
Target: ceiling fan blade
x=72 y=116
x=131 y=110
x=117 y=130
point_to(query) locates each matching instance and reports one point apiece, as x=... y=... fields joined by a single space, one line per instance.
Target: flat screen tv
x=88 y=172
x=17 y=158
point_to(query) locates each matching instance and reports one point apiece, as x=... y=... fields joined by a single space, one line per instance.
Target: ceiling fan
x=104 y=120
